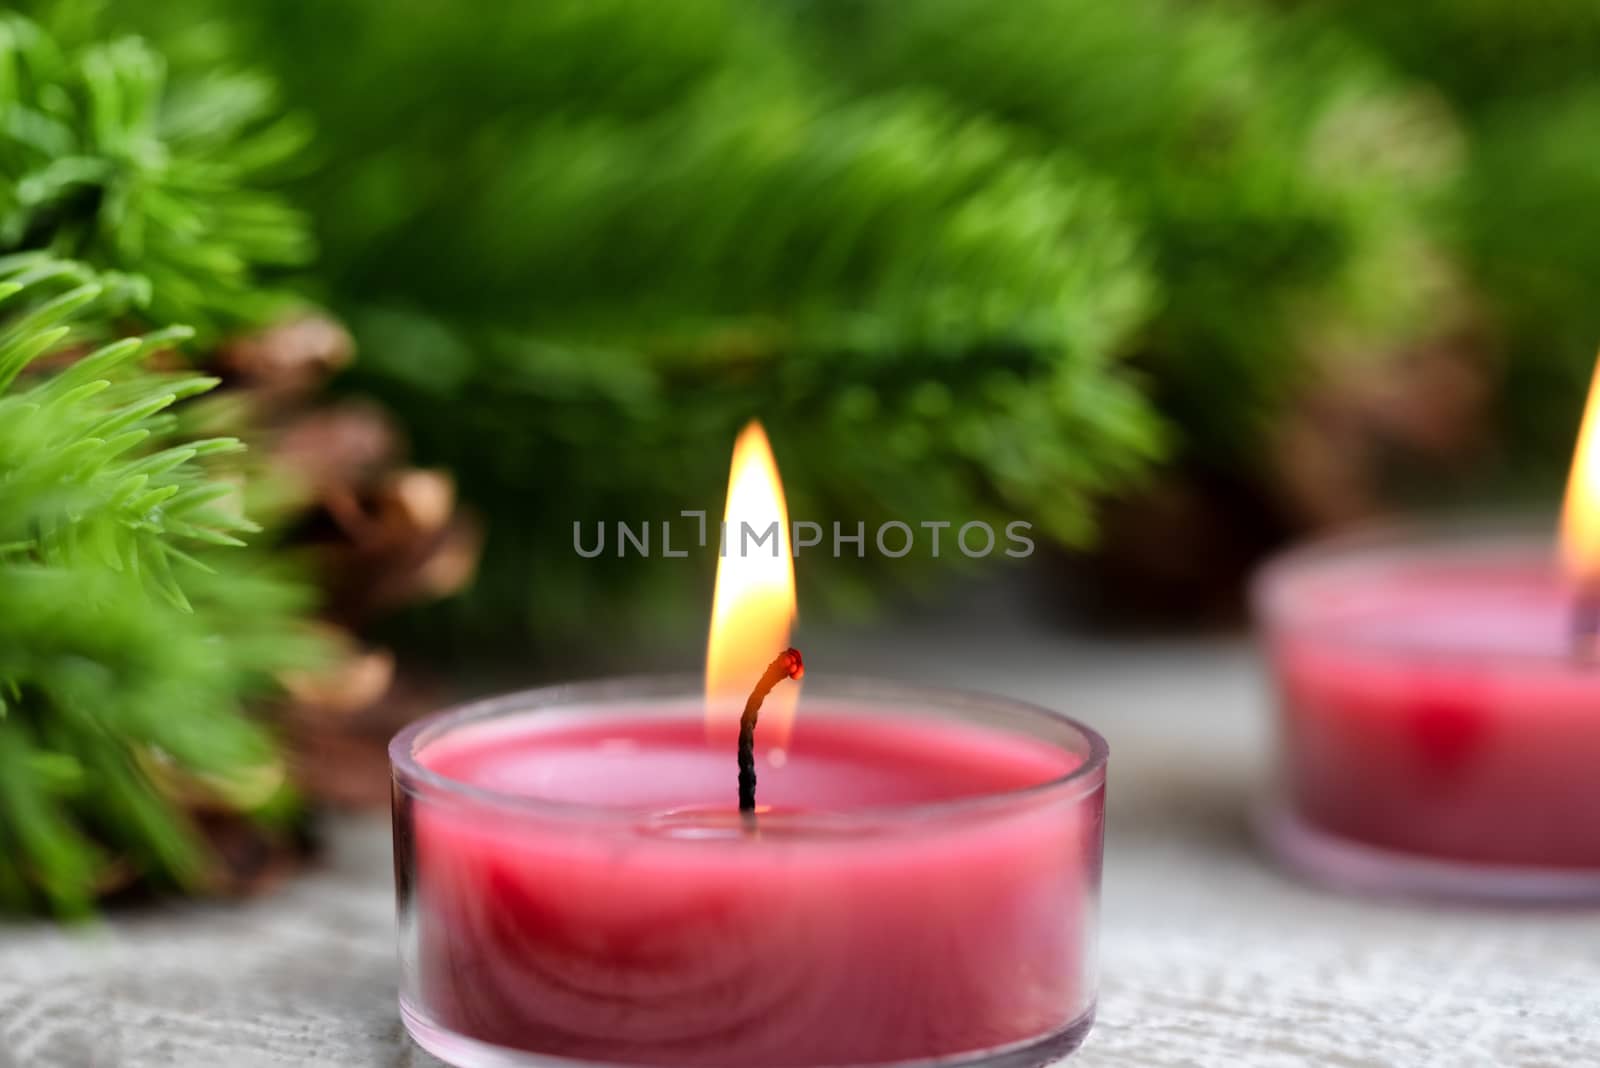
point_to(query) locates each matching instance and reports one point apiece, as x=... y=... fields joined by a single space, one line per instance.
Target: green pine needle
x=105 y=162
x=127 y=637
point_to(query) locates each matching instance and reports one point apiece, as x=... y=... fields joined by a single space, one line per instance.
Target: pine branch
x=127 y=641
x=1281 y=177
x=647 y=258
x=103 y=163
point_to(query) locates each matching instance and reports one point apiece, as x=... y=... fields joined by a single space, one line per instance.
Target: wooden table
x=1209 y=955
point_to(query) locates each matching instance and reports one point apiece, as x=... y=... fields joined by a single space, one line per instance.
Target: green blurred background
x=1172 y=281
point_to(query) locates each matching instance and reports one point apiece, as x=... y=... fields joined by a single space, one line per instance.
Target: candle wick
x=787 y=665
x=1586 y=624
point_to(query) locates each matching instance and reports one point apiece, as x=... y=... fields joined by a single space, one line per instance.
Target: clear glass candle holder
x=918 y=886
x=1438 y=713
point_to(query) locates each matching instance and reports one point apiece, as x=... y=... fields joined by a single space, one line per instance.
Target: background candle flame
x=1580 y=516
x=753 y=608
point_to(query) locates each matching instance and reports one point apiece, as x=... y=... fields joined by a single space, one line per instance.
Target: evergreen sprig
x=582 y=241
x=104 y=162
x=131 y=630
x=674 y=223
x=1280 y=176
x=138 y=629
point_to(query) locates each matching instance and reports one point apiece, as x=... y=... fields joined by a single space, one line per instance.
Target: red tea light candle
x=914 y=880
x=1440 y=706
x=575 y=882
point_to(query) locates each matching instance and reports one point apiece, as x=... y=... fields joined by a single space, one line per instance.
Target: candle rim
x=1277 y=593
x=1076 y=784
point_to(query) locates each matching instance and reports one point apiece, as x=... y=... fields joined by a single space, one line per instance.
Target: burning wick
x=787 y=665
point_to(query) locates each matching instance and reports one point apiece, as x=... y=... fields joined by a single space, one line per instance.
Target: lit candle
x=1440 y=708
x=918 y=881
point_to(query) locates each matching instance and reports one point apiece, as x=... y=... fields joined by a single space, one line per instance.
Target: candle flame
x=1580 y=516
x=753 y=608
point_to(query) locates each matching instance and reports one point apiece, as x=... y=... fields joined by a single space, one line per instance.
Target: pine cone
x=288 y=361
x=1339 y=448
x=381 y=534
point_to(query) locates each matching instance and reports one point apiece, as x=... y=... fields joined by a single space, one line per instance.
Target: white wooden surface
x=1209 y=956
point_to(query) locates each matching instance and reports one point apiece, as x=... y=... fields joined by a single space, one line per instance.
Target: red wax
x=1433 y=704
x=870 y=917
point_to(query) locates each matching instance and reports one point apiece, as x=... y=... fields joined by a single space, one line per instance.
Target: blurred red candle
x=1440 y=706
x=575 y=880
